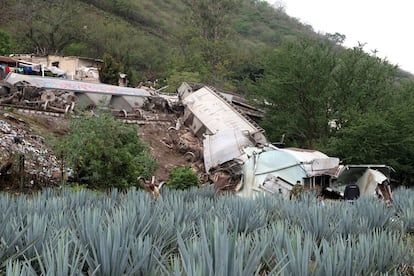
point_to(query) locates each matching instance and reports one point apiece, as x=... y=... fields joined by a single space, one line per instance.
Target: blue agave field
x=196 y=232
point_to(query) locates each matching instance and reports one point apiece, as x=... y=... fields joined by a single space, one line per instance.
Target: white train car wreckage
x=235 y=151
x=239 y=158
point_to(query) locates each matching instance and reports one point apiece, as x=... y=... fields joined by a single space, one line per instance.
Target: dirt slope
x=23 y=133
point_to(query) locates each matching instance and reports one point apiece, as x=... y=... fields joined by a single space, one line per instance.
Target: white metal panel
x=369 y=181
x=276 y=163
x=305 y=156
x=325 y=163
x=215 y=113
x=223 y=146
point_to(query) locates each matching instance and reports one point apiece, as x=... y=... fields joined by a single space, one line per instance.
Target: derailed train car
x=238 y=157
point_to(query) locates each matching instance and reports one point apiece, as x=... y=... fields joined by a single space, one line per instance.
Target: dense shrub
x=182 y=178
x=104 y=152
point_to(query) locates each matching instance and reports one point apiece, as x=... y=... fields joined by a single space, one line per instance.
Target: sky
x=384 y=26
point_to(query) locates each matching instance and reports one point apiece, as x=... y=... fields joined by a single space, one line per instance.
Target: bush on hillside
x=104 y=152
x=182 y=178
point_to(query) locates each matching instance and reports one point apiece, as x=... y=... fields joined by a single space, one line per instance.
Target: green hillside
x=218 y=42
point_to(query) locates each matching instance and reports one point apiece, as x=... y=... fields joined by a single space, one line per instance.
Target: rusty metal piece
x=33 y=102
x=48 y=96
x=138 y=114
x=69 y=97
x=190 y=156
x=123 y=113
x=47 y=106
x=8 y=100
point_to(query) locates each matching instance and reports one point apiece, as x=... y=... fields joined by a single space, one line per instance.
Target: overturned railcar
x=63 y=95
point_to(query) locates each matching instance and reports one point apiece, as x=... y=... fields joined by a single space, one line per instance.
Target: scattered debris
x=214 y=131
x=23 y=151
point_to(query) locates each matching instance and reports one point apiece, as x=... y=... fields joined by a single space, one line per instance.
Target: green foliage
x=104 y=152
x=109 y=71
x=177 y=78
x=76 y=49
x=46 y=27
x=182 y=178
x=296 y=86
x=5 y=43
x=215 y=17
x=151 y=38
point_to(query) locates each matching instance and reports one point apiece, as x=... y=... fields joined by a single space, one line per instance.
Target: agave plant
x=298 y=249
x=109 y=251
x=364 y=254
x=146 y=257
x=37 y=232
x=350 y=223
x=63 y=255
x=243 y=215
x=404 y=206
x=216 y=252
x=318 y=222
x=377 y=214
x=9 y=249
x=18 y=268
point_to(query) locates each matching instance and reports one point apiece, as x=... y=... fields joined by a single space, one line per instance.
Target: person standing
x=297 y=190
x=351 y=192
x=154 y=190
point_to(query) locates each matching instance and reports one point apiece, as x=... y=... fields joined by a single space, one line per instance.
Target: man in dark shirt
x=351 y=191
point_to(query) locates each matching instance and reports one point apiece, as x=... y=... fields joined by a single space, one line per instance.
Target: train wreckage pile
x=217 y=132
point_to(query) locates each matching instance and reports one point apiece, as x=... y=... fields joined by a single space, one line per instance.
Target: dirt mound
x=170 y=148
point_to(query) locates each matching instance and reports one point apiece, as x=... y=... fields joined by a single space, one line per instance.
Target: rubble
x=21 y=149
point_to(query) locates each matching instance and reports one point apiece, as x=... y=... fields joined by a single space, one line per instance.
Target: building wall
x=70 y=64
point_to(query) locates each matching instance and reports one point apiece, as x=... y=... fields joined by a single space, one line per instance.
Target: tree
x=336 y=38
x=5 y=44
x=109 y=72
x=310 y=84
x=360 y=83
x=211 y=22
x=104 y=152
x=384 y=136
x=296 y=87
x=48 y=26
x=212 y=17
